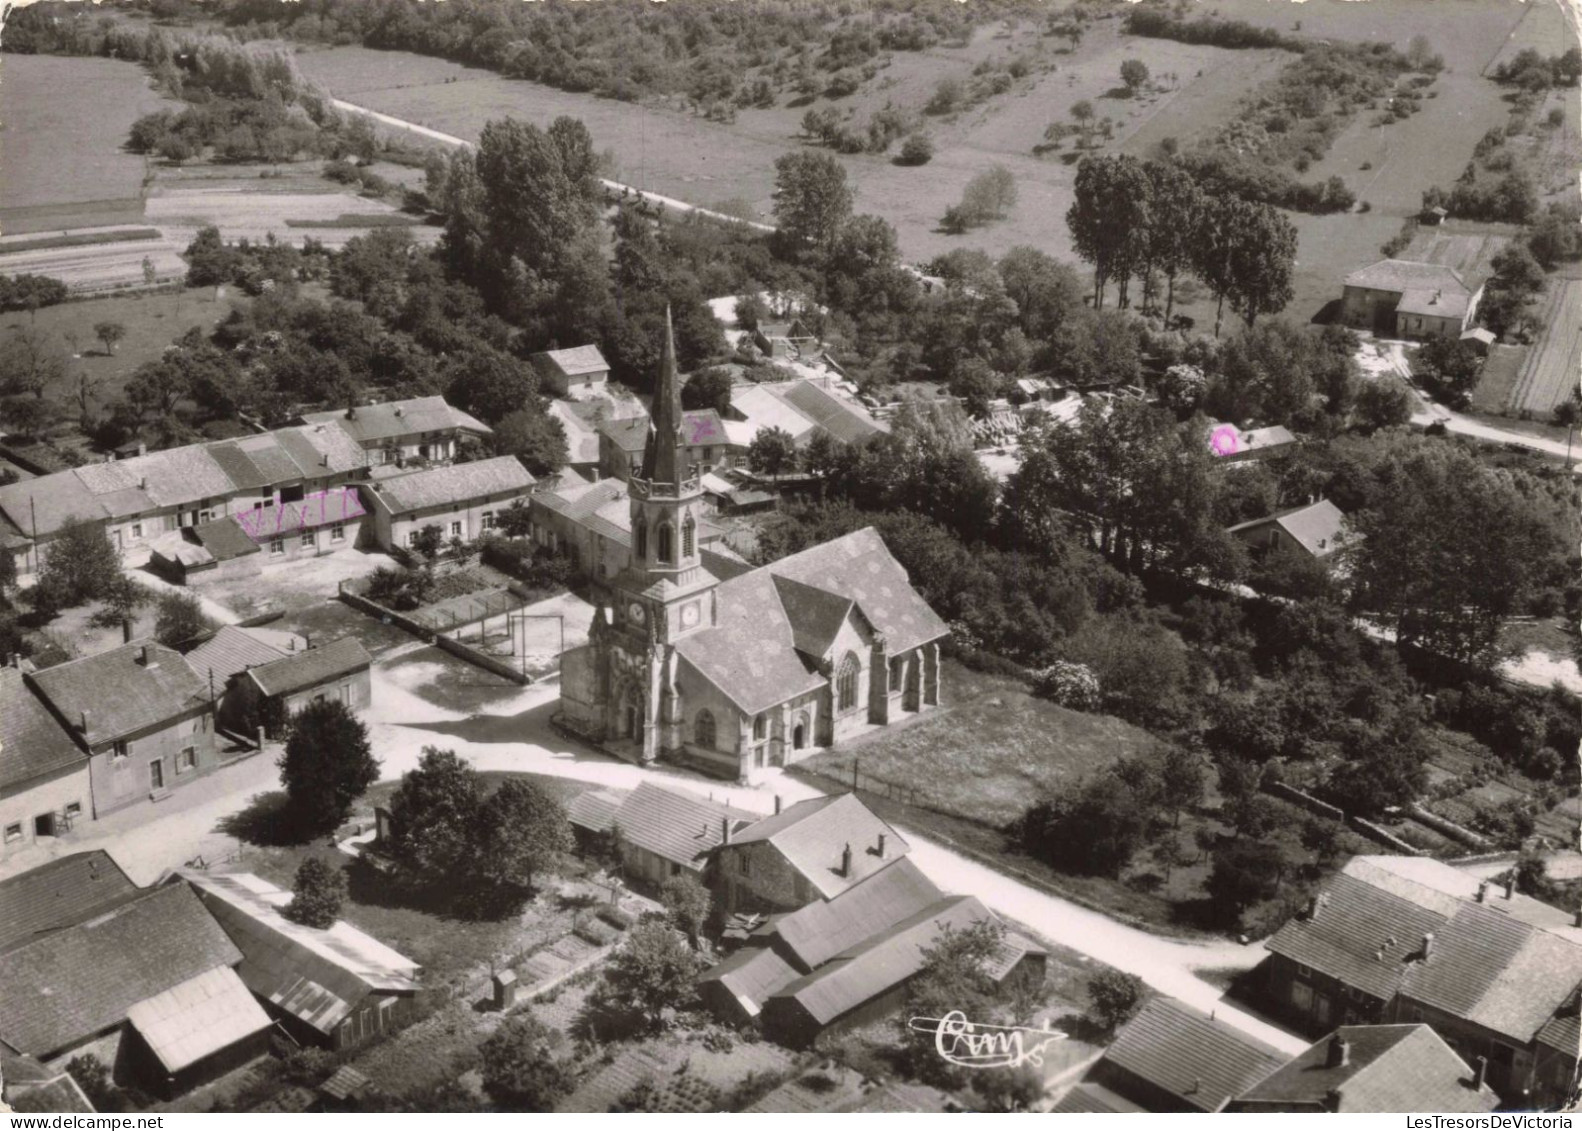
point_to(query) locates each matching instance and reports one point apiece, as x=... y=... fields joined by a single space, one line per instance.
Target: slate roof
x=318 y=976
x=32 y=740
x=700 y=426
x=311 y=667
x=595 y=810
x=680 y=827
x=1391 y=1068
x=458 y=483
x=65 y=891
x=317 y=450
x=373 y=423
x=45 y=1089
x=811 y=835
x=71 y=984
x=629 y=435
x=751 y=976
x=1201 y=1062
x=230 y=651
x=1316 y=527
x=577 y=361
x=198 y=1018
x=174 y=477
x=581 y=500
x=816 y=615
x=1404 y=274
x=839 y=418
x=821 y=930
x=1089 y=1098
x=121 y=695
x=224 y=539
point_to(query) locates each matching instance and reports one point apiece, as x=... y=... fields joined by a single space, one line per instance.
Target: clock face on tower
x=689 y=615
x=636 y=612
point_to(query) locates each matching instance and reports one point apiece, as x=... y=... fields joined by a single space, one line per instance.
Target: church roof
x=752 y=655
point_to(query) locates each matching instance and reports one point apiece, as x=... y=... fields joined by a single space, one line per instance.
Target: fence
x=438 y=639
x=1448 y=828
x=855 y=778
x=1384 y=837
x=1305 y=800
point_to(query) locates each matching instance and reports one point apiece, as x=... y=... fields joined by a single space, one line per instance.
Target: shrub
x=616 y=918
x=917 y=149
x=317 y=894
x=1114 y=997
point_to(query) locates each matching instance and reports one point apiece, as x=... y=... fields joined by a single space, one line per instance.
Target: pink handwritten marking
x=256 y=522
x=702 y=429
x=1225 y=441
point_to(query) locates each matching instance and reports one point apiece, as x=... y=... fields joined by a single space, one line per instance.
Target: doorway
x=156 y=774
x=799 y=735
x=44 y=825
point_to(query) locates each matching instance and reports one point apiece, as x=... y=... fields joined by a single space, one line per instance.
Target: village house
x=424 y=429
x=814 y=850
x=44 y=785
x=785 y=339
x=1393 y=939
x=1402 y=298
x=333 y=987
x=144 y=979
x=463 y=501
x=704 y=443
x=1373 y=1068
x=1315 y=531
x=801 y=409
x=664 y=832
x=591 y=523
x=575 y=373
x=228 y=653
x=280 y=688
x=142 y=715
x=1233 y=446
x=1172 y=1058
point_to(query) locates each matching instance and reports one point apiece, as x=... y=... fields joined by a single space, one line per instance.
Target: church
x=758 y=670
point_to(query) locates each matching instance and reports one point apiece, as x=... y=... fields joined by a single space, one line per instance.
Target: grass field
x=1498 y=379
x=1465 y=246
x=65 y=121
x=996 y=751
x=90 y=268
x=1552 y=367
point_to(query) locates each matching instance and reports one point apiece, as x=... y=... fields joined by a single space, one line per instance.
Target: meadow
x=1550 y=372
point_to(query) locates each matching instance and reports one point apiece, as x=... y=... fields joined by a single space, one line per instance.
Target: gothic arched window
x=642 y=540
x=704 y=729
x=689 y=537
x=667 y=542
x=846 y=683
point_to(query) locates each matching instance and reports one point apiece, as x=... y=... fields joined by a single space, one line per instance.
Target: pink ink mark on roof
x=310 y=512
x=702 y=429
x=1225 y=441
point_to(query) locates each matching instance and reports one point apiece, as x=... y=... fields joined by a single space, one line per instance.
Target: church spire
x=664 y=453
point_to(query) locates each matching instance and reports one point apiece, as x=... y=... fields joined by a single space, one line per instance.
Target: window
x=187 y=760
x=73 y=809
x=642 y=542
x=708 y=455
x=277 y=545
x=13 y=832
x=667 y=542
x=338 y=532
x=123 y=750
x=1304 y=972
x=689 y=536
x=309 y=539
x=137 y=530
x=846 y=683
x=259 y=506
x=411 y=537
x=761 y=727
x=704 y=728
x=488 y=520
x=455 y=530
x=1302 y=997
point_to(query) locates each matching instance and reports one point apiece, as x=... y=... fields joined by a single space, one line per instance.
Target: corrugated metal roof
x=1202 y=1062
x=312 y=667
x=230 y=651
x=32 y=740
x=198 y=1018
x=596 y=809
x=64 y=891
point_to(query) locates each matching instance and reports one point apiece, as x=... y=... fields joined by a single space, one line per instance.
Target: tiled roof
x=1389 y=1068
x=318 y=976
x=751 y=655
x=71 y=984
x=581 y=500
x=121 y=695
x=595 y=810
x=318 y=450
x=174 y=477
x=1402 y=274
x=1088 y=1098
x=816 y=933
x=1201 y=1062
x=374 y=422
x=577 y=361
x=224 y=539
x=311 y=667
x=230 y=651
x=1434 y=302
x=32 y=740
x=1316 y=527
x=812 y=835
x=841 y=419
x=63 y=892
x=198 y=1018
x=680 y=827
x=629 y=435
x=45 y=505
x=751 y=976
x=458 y=483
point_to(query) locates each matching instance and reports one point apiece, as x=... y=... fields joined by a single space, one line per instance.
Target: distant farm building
x=1401 y=298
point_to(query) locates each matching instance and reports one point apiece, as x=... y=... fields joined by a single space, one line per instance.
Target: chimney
x=85 y=722
x=398 y=410
x=1510 y=883
x=142 y=655
x=1579 y=917
x=881 y=846
x=1483 y=891
x=845 y=861
x=351 y=412
x=142 y=483
x=1339 y=1052
x=725 y=830
x=777 y=804
x=1428 y=944
x=126 y=630
x=1313 y=905
x=1480 y=1073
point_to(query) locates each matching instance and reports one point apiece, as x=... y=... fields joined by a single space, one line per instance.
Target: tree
x=519 y=1070
x=772 y=451
x=1175 y=208
x=1182 y=780
x=209 y=262
x=1082 y=115
x=109 y=333
x=79 y=564
x=1383 y=402
x=1109 y=220
x=1245 y=872
x=952 y=978
x=532 y=436
x=1048 y=293
x=1322 y=839
x=1262 y=253
x=1448 y=368
x=811 y=197
x=435 y=814
x=488 y=383
x=27 y=416
x=538 y=196
x=1093 y=830
x=523 y=833
x=1114 y=997
x=708 y=388
x=917 y=149
x=988 y=197
x=180 y=620
x=327 y=764
x=1568 y=414
x=686 y=901
x=1182 y=387
x=429 y=541
x=31 y=362
x=654 y=970
x=316 y=894
x=1134 y=73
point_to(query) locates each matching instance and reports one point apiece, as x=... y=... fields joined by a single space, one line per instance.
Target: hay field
x=99 y=267
x=1545 y=26
x=244 y=213
x=1553 y=365
x=63 y=122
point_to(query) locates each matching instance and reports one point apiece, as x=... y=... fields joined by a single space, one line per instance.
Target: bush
x=597 y=933
x=317 y=894
x=616 y=918
x=917 y=149
x=1114 y=997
